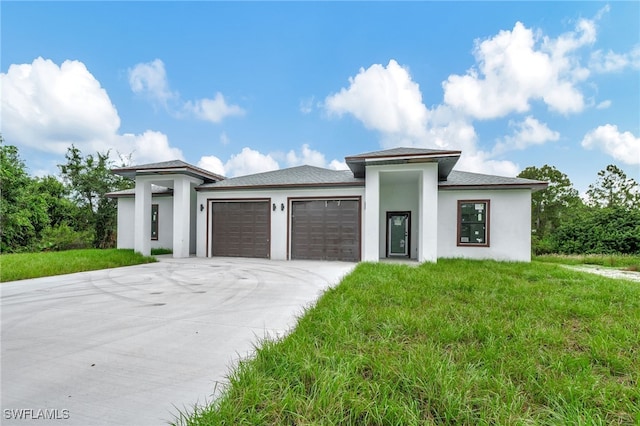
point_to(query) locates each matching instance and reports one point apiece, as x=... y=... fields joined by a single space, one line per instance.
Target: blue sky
x=244 y=87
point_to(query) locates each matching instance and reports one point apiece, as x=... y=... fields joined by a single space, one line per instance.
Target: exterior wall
x=126 y=212
x=396 y=197
x=412 y=188
x=509 y=224
x=279 y=218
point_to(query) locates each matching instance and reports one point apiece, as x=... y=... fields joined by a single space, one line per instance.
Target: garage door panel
x=241 y=229
x=325 y=230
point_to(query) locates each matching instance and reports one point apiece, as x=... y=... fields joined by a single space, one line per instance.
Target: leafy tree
x=614 y=189
x=23 y=215
x=550 y=206
x=89 y=178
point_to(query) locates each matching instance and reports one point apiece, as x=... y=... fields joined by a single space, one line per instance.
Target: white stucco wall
x=279 y=218
x=126 y=219
x=398 y=196
x=509 y=226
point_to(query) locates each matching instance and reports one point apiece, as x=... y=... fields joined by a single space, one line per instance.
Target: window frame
x=487 y=222
x=155 y=207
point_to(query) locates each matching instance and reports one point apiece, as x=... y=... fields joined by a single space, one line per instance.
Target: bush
x=596 y=230
x=63 y=237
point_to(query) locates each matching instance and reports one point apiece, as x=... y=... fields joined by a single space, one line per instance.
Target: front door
x=398 y=230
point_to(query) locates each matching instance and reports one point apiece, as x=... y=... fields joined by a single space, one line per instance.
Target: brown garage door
x=240 y=229
x=325 y=229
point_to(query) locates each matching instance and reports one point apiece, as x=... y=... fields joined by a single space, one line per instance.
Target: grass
x=457 y=342
x=34 y=265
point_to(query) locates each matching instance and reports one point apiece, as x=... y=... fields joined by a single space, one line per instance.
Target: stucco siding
x=126 y=219
x=509 y=224
x=279 y=219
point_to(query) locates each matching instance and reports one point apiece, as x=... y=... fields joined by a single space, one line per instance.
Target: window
x=154 y=221
x=473 y=223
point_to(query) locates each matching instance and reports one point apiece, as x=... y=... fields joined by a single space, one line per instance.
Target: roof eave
x=280 y=186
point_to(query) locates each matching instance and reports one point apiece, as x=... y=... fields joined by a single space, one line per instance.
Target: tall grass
x=626 y=261
x=457 y=342
x=34 y=265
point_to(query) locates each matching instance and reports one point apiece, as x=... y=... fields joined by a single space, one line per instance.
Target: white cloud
x=49 y=107
x=516 y=67
x=385 y=99
x=614 y=62
x=622 y=146
x=248 y=162
x=338 y=165
x=214 y=110
x=150 y=79
x=307 y=156
x=212 y=163
x=526 y=133
x=604 y=104
x=149 y=147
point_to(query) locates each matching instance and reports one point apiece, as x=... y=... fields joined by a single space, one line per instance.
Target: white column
x=428 y=213
x=142 y=217
x=371 y=237
x=181 y=216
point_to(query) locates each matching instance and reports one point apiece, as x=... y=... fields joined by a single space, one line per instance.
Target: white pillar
x=181 y=216
x=142 y=217
x=371 y=235
x=428 y=214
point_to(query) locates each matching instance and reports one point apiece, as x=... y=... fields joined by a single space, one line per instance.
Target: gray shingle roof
x=176 y=165
x=462 y=180
x=294 y=176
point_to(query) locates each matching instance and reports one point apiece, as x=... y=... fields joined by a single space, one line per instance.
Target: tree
x=548 y=207
x=89 y=179
x=23 y=215
x=614 y=189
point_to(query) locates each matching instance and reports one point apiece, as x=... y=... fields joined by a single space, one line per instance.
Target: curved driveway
x=135 y=345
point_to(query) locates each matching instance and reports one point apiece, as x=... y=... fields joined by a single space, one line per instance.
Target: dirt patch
x=606 y=272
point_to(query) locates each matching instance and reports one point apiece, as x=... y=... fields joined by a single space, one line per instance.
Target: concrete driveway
x=132 y=346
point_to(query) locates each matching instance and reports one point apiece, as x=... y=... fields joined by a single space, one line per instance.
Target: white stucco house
x=396 y=203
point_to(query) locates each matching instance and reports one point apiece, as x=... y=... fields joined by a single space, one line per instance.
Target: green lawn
x=457 y=342
x=34 y=265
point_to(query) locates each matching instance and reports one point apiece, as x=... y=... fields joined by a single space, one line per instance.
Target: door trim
x=407 y=239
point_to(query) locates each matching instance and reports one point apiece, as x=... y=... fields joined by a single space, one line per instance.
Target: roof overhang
x=446 y=161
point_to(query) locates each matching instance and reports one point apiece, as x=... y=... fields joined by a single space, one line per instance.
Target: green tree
x=88 y=179
x=550 y=206
x=23 y=215
x=614 y=189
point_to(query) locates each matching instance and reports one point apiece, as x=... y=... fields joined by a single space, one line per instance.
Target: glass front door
x=398 y=233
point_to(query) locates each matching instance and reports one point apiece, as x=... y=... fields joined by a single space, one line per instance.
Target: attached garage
x=326 y=229
x=240 y=228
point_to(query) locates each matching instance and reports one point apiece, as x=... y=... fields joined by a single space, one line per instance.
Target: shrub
x=63 y=237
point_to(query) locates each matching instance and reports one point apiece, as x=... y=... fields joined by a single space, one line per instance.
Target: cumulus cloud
x=214 y=110
x=150 y=79
x=249 y=161
x=212 y=163
x=49 y=107
x=604 y=104
x=622 y=146
x=526 y=133
x=385 y=99
x=519 y=66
